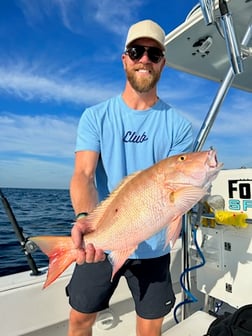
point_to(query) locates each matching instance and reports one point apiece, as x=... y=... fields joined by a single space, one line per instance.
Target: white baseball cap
x=146 y=29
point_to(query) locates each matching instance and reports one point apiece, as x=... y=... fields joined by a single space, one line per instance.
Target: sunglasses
x=136 y=52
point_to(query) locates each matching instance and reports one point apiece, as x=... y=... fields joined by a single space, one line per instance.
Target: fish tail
x=60 y=251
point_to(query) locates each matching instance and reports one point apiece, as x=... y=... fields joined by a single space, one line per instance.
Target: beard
x=142 y=84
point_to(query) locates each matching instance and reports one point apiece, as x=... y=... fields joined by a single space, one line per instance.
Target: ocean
x=38 y=212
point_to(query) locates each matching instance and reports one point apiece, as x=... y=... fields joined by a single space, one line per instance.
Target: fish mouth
x=212 y=161
x=212 y=165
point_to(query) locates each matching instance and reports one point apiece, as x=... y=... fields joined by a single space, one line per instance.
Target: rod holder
x=233 y=49
x=207 y=8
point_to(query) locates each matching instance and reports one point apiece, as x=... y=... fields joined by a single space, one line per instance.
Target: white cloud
x=34 y=173
x=119 y=14
x=36 y=151
x=109 y=14
x=36 y=11
x=48 y=136
x=28 y=84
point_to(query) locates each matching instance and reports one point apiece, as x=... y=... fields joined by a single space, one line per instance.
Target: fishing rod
x=27 y=246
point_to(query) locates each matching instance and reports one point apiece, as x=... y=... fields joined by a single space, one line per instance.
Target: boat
x=211 y=262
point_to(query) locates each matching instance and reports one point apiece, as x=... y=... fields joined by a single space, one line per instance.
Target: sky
x=58 y=57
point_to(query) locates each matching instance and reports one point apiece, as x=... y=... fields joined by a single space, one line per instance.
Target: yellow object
x=208 y=222
x=237 y=219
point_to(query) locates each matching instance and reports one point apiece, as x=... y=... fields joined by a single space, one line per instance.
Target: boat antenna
x=26 y=245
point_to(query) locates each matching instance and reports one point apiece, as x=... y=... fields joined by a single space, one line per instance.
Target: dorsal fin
x=95 y=217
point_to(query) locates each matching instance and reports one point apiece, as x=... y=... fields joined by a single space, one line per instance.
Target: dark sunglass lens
x=155 y=54
x=136 y=52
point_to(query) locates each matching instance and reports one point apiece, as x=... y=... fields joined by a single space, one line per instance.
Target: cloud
x=28 y=84
x=231 y=132
x=68 y=11
x=41 y=136
x=35 y=173
x=192 y=97
x=119 y=14
x=44 y=75
x=75 y=14
x=36 y=151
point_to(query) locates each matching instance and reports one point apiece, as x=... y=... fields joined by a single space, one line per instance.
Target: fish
x=144 y=203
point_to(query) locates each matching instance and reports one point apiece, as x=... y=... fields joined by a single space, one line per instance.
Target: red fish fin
x=118 y=258
x=60 y=251
x=173 y=231
x=184 y=199
x=95 y=217
x=124 y=181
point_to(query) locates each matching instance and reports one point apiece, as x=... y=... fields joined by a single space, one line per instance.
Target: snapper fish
x=143 y=204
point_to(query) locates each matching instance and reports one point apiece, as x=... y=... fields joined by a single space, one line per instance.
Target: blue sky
x=59 y=56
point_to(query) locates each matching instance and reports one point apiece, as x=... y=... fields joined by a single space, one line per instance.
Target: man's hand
x=89 y=254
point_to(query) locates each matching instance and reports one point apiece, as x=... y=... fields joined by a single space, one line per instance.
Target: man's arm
x=84 y=198
x=82 y=188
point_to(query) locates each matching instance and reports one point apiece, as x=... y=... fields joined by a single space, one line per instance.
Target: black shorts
x=149 y=281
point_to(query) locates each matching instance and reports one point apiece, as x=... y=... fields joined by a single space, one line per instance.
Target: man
x=115 y=138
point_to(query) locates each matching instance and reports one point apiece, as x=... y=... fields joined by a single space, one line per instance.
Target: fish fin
x=184 y=198
x=124 y=181
x=173 y=231
x=60 y=251
x=95 y=217
x=117 y=259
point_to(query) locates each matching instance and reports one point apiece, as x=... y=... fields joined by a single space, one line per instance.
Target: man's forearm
x=83 y=193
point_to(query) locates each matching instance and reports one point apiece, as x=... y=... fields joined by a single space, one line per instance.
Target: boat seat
x=197 y=325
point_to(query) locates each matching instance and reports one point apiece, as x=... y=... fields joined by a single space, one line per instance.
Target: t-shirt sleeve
x=88 y=132
x=182 y=137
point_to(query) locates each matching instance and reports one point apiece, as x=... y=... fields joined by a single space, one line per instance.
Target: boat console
x=214 y=43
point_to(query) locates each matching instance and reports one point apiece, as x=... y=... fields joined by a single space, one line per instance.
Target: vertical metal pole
x=214 y=109
x=200 y=140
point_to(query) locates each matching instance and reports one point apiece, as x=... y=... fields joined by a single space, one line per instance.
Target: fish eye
x=182 y=158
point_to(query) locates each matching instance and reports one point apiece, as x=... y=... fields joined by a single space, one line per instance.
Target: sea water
x=37 y=212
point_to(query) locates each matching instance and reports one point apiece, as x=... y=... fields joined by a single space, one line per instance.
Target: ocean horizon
x=38 y=211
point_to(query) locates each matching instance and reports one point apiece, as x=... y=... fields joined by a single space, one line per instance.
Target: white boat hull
x=29 y=310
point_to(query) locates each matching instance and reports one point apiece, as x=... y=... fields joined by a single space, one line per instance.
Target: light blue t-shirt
x=130 y=140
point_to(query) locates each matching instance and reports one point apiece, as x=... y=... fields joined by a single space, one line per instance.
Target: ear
x=123 y=60
x=163 y=63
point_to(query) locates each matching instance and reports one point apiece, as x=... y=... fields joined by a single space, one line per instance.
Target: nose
x=144 y=58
